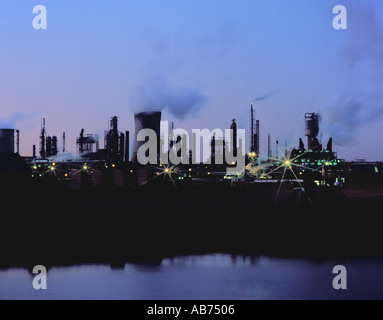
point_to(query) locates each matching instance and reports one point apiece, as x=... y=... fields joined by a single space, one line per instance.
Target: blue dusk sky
x=200 y=61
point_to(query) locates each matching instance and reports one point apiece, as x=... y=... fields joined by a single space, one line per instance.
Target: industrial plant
x=309 y=165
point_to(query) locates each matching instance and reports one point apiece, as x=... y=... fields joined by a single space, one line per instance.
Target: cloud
x=217 y=44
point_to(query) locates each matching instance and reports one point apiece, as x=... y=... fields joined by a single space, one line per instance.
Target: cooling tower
x=146 y=120
x=7 y=141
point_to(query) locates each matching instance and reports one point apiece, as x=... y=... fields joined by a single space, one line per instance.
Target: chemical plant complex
x=311 y=163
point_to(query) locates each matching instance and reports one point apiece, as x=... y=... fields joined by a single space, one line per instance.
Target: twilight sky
x=201 y=61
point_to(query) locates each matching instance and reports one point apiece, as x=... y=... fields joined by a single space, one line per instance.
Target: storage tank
x=146 y=120
x=7 y=141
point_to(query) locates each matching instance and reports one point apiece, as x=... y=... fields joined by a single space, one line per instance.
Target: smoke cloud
x=265 y=96
x=350 y=113
x=155 y=94
x=12 y=120
x=362 y=64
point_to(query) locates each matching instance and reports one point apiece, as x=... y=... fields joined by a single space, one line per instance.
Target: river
x=209 y=277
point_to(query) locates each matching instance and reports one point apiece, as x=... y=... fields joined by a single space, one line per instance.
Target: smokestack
x=7 y=141
x=146 y=120
x=18 y=141
x=252 y=129
x=127 y=146
x=257 y=138
x=277 y=150
x=63 y=141
x=212 y=144
x=234 y=145
x=34 y=151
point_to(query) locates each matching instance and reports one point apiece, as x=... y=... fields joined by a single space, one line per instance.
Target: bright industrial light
x=52 y=168
x=167 y=170
x=287 y=162
x=326 y=163
x=113 y=165
x=85 y=168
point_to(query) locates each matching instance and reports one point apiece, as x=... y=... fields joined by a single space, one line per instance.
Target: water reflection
x=210 y=277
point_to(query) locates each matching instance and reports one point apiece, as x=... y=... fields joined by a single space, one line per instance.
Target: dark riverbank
x=65 y=227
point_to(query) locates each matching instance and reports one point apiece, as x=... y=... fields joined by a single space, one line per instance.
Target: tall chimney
x=252 y=129
x=63 y=141
x=277 y=150
x=257 y=150
x=127 y=146
x=234 y=144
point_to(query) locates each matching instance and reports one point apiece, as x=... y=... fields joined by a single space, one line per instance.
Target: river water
x=209 y=277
